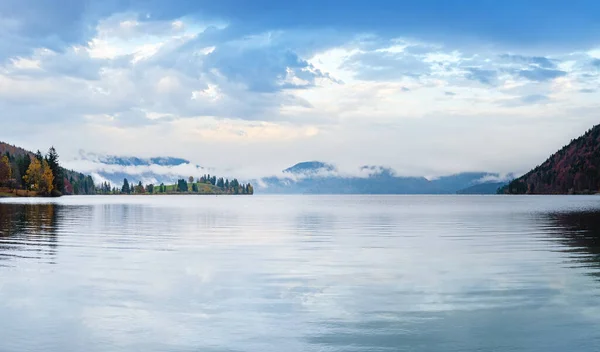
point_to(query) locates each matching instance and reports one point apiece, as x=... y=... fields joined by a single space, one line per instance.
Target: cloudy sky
x=426 y=87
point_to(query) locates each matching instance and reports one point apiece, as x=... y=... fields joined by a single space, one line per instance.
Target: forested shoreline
x=205 y=184
x=26 y=174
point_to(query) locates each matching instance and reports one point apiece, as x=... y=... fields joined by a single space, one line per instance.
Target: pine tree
x=52 y=158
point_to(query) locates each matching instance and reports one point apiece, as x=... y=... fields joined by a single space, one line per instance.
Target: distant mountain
x=309 y=168
x=575 y=169
x=134 y=161
x=315 y=177
x=483 y=188
x=155 y=170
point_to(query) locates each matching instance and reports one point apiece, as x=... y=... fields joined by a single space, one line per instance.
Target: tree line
x=42 y=174
x=205 y=184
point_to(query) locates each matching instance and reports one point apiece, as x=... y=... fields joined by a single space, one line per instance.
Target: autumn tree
x=39 y=177
x=5 y=170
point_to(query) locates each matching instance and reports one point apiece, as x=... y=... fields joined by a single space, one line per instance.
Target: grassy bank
x=6 y=192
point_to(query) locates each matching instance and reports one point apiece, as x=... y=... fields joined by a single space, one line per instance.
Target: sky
x=427 y=87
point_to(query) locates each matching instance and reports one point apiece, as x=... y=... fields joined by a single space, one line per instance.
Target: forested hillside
x=574 y=169
x=38 y=174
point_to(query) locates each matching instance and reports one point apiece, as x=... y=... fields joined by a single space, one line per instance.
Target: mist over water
x=300 y=273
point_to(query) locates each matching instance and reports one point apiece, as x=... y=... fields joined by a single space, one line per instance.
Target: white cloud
x=178 y=87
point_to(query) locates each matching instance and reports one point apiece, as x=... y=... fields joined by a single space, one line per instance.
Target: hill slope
x=75 y=182
x=575 y=169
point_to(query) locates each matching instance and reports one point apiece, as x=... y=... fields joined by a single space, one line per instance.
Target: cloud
x=541 y=74
x=539 y=61
x=480 y=75
x=252 y=86
x=386 y=65
x=534 y=98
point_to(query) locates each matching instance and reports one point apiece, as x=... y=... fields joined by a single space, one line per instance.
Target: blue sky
x=426 y=87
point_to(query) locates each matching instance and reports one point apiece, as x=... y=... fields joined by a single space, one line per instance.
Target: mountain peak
x=310 y=167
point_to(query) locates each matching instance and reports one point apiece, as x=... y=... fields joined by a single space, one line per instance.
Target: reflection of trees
x=27 y=229
x=581 y=232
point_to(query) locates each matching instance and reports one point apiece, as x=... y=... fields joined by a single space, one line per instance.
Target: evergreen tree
x=52 y=158
x=125 y=188
x=39 y=156
x=235 y=186
x=194 y=187
x=22 y=166
x=220 y=183
x=182 y=185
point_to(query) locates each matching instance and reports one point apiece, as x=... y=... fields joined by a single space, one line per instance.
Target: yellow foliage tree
x=39 y=176
x=47 y=184
x=5 y=171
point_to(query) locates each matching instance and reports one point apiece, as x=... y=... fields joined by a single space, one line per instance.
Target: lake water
x=300 y=273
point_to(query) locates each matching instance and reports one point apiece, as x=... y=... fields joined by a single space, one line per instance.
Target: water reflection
x=300 y=274
x=580 y=232
x=29 y=231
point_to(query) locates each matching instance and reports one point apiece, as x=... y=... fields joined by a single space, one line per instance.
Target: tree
x=39 y=177
x=139 y=188
x=150 y=188
x=235 y=185
x=194 y=187
x=47 y=184
x=249 y=189
x=162 y=188
x=39 y=156
x=182 y=185
x=125 y=188
x=227 y=185
x=191 y=179
x=22 y=166
x=220 y=182
x=52 y=158
x=5 y=170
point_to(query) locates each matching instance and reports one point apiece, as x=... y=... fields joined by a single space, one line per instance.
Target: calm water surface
x=300 y=273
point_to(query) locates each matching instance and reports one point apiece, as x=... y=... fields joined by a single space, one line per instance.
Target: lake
x=300 y=273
